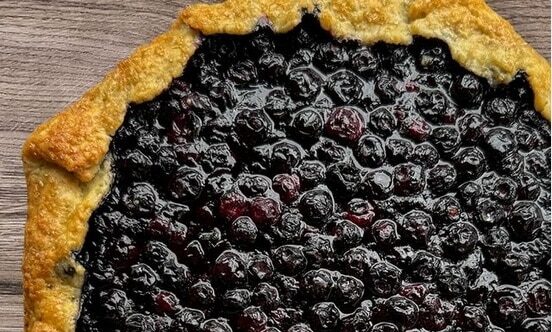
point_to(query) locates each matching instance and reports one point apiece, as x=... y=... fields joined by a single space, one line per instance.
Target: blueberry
x=300 y=328
x=232 y=205
x=467 y=89
x=535 y=325
x=316 y=205
x=331 y=56
x=137 y=164
x=538 y=298
x=319 y=250
x=272 y=65
x=525 y=219
x=360 y=212
x=526 y=138
x=511 y=165
x=265 y=211
x=345 y=124
x=425 y=266
x=402 y=311
x=301 y=58
x=253 y=185
x=489 y=213
x=345 y=87
x=499 y=142
x=260 y=267
x=243 y=230
x=417 y=226
x=185 y=127
x=398 y=150
x=359 y=320
x=252 y=319
x=324 y=316
x=140 y=199
x=504 y=190
x=387 y=88
x=385 y=327
x=115 y=304
x=408 y=179
x=218 y=183
x=285 y=156
x=317 y=285
x=187 y=184
x=433 y=58
x=377 y=184
x=139 y=323
x=215 y=325
x=266 y=296
x=229 y=269
x=143 y=278
x=166 y=303
x=253 y=126
x=304 y=84
x=432 y=104
x=384 y=232
x=472 y=128
x=446 y=209
x=187 y=319
x=507 y=307
x=242 y=72
x=357 y=261
x=470 y=163
x=290 y=227
x=218 y=156
x=235 y=300
x=415 y=128
x=469 y=193
x=364 y=61
x=328 y=151
x=289 y=259
x=307 y=124
x=500 y=110
x=446 y=139
x=370 y=151
x=425 y=155
x=474 y=318
x=347 y=234
x=344 y=177
x=201 y=295
x=287 y=186
x=441 y=178
x=435 y=313
x=461 y=238
x=537 y=164
x=279 y=105
x=348 y=290
x=382 y=122
x=385 y=279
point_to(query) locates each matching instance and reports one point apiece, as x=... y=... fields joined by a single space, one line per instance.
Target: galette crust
x=65 y=158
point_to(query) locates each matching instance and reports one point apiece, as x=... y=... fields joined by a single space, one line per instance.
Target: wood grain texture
x=51 y=52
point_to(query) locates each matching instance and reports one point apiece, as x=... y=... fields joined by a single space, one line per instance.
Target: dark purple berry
x=370 y=151
x=408 y=179
x=345 y=124
x=382 y=122
x=345 y=87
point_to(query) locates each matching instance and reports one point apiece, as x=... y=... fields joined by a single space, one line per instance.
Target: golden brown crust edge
x=67 y=175
x=64 y=158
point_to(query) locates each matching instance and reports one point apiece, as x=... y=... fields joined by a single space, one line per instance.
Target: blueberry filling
x=298 y=183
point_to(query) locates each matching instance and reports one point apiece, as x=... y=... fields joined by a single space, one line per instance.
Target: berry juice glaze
x=297 y=183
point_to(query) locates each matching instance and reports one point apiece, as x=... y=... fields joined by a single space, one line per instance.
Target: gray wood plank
x=51 y=52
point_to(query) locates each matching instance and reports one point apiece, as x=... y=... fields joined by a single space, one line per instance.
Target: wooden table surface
x=52 y=51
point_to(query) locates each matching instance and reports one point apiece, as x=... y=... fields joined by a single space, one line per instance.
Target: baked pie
x=313 y=165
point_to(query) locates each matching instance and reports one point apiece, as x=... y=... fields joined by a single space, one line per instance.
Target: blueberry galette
x=314 y=165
